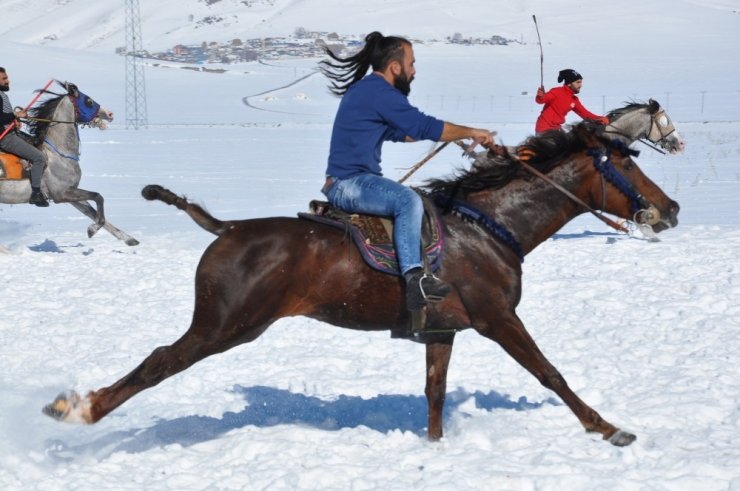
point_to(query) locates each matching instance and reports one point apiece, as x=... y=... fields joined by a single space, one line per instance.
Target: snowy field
x=645 y=332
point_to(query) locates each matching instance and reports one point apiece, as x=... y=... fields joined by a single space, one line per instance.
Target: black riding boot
x=37 y=197
x=422 y=288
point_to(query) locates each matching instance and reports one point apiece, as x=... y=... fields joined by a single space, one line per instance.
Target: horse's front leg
x=509 y=331
x=82 y=196
x=438 y=359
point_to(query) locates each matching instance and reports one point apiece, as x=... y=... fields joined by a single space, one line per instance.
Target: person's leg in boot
x=420 y=288
x=38 y=163
x=16 y=145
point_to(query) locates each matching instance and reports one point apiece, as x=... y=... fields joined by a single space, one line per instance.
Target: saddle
x=373 y=235
x=12 y=167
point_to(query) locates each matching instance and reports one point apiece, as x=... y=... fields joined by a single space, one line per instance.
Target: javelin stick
x=423 y=161
x=12 y=125
x=542 y=57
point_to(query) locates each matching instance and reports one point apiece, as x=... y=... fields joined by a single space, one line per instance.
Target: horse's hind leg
x=161 y=364
x=81 y=196
x=510 y=333
x=87 y=210
x=231 y=308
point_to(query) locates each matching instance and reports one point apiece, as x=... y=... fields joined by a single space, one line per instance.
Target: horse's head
x=87 y=111
x=619 y=187
x=649 y=121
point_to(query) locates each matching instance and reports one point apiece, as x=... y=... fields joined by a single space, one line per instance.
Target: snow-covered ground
x=645 y=332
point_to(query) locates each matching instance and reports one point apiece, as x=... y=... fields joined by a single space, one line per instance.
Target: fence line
x=685 y=106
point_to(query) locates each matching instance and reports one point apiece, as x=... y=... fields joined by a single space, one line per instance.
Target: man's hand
x=483 y=137
x=540 y=91
x=452 y=132
x=603 y=120
x=20 y=113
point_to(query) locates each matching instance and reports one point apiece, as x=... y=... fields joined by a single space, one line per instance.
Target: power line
x=136 y=114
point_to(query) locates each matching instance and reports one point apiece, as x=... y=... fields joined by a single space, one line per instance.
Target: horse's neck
x=64 y=136
x=628 y=128
x=533 y=210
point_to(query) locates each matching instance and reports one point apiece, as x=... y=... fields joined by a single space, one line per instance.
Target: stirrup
x=429 y=296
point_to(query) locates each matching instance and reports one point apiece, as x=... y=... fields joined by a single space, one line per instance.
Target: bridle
x=657 y=133
x=641 y=208
x=85 y=108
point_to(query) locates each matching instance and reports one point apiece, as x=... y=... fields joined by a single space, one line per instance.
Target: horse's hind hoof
x=61 y=406
x=621 y=438
x=69 y=407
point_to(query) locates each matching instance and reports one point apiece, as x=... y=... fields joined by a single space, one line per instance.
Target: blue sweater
x=373 y=111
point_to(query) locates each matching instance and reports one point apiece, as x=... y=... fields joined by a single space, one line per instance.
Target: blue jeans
x=376 y=195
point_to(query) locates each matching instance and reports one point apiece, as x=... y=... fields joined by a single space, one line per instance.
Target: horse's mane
x=494 y=171
x=652 y=107
x=45 y=110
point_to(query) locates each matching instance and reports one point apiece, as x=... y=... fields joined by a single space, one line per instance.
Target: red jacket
x=558 y=102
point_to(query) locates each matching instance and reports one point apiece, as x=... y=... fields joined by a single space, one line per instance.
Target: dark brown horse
x=258 y=271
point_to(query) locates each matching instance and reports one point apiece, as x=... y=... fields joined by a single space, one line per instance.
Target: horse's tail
x=196 y=212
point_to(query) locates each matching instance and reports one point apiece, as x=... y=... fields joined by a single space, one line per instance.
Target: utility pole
x=135 y=88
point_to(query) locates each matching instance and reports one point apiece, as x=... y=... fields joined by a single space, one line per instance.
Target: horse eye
x=88 y=102
x=663 y=121
x=628 y=165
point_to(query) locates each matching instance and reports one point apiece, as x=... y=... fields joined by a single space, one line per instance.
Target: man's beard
x=403 y=83
x=575 y=90
x=4 y=88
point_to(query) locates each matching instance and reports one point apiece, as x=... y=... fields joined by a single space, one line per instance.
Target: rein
x=575 y=198
x=572 y=196
x=42 y=120
x=653 y=126
x=644 y=141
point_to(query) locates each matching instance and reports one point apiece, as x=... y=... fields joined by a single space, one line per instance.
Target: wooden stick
x=542 y=57
x=424 y=161
x=12 y=125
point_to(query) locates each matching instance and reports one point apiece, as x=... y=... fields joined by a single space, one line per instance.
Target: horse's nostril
x=674 y=208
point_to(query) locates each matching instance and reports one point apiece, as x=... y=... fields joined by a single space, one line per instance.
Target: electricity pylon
x=135 y=88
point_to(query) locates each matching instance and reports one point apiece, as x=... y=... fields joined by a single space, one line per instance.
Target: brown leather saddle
x=373 y=235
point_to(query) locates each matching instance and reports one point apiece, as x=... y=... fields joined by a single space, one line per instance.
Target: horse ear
x=653 y=106
x=71 y=89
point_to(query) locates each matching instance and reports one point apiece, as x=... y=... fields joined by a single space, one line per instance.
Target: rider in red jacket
x=559 y=101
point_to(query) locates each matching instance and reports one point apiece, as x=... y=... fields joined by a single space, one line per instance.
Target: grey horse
x=644 y=121
x=54 y=125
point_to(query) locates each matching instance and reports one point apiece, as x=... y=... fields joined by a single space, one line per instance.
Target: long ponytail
x=377 y=53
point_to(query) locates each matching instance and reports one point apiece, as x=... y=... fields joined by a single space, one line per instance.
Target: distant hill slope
x=100 y=25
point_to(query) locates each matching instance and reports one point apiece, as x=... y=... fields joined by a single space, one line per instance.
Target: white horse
x=54 y=125
x=649 y=122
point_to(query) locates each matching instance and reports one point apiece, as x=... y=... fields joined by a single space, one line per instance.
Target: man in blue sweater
x=374 y=109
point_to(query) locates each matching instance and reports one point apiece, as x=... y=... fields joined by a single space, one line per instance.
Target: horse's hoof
x=69 y=407
x=132 y=242
x=621 y=438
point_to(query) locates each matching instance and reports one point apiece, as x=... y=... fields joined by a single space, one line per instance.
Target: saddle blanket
x=11 y=166
x=373 y=235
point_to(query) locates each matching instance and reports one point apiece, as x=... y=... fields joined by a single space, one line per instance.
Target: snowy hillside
x=568 y=24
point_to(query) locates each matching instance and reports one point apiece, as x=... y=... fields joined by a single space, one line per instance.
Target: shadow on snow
x=268 y=406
